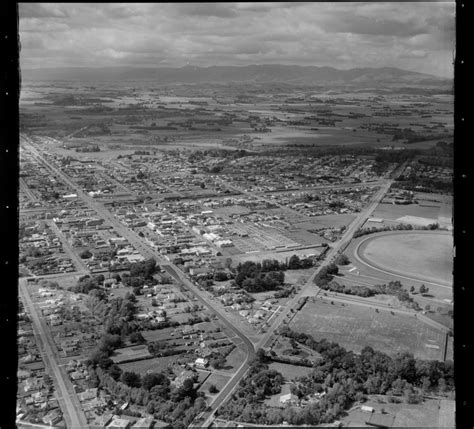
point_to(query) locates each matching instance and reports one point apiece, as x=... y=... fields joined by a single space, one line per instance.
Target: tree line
x=344 y=377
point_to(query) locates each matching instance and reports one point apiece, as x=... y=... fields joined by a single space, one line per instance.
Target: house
x=366 y=409
x=87 y=394
x=180 y=379
x=201 y=362
x=289 y=398
x=144 y=422
x=102 y=421
x=52 y=417
x=118 y=423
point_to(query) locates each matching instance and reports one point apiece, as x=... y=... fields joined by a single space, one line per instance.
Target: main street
x=141 y=245
x=73 y=415
x=310 y=289
x=136 y=241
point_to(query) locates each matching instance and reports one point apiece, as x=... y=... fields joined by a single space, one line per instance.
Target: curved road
x=140 y=245
x=172 y=269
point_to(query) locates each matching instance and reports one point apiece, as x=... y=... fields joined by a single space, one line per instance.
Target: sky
x=417 y=36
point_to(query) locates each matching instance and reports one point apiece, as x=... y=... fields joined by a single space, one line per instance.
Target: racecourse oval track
x=415 y=255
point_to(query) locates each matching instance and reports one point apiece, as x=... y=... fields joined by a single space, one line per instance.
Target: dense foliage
x=175 y=405
x=394 y=288
x=344 y=377
x=141 y=273
x=326 y=274
x=399 y=227
x=256 y=277
x=424 y=184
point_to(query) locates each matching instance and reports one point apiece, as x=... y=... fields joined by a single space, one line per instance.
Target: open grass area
x=430 y=413
x=218 y=380
x=158 y=334
x=234 y=359
x=153 y=365
x=394 y=211
x=130 y=353
x=290 y=372
x=421 y=255
x=355 y=327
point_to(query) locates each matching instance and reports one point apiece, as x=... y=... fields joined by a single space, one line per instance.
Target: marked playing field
x=355 y=327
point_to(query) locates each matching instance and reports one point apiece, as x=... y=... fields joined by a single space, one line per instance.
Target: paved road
x=73 y=414
x=142 y=247
x=310 y=289
x=173 y=270
x=80 y=266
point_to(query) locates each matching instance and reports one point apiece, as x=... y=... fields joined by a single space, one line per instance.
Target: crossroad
x=73 y=415
x=310 y=289
x=142 y=246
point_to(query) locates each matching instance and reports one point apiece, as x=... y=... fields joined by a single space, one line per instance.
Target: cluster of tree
x=35 y=252
x=438 y=160
x=342 y=259
x=326 y=275
x=85 y=254
x=424 y=184
x=220 y=276
x=246 y=403
x=269 y=274
x=89 y=148
x=337 y=204
x=177 y=406
x=87 y=283
x=251 y=278
x=284 y=292
x=399 y=227
x=345 y=377
x=394 y=288
x=100 y=356
x=384 y=158
x=117 y=314
x=161 y=349
x=141 y=273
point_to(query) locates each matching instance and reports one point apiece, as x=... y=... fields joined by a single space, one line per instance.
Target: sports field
x=421 y=255
x=354 y=327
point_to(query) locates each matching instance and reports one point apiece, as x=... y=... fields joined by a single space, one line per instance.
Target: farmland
x=355 y=327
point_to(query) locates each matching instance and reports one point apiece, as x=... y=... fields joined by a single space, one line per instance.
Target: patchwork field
x=422 y=255
x=355 y=327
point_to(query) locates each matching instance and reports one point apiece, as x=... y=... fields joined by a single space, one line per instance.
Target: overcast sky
x=411 y=36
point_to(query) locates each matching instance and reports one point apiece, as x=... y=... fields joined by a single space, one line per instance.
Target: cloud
x=219 y=10
x=38 y=10
x=414 y=36
x=374 y=26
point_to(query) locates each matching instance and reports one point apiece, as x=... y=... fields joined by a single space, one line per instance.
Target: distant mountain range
x=225 y=74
